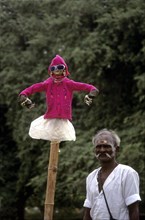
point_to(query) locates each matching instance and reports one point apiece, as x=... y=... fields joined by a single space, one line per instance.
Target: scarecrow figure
x=55 y=124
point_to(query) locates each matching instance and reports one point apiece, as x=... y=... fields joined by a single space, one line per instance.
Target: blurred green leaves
x=103 y=44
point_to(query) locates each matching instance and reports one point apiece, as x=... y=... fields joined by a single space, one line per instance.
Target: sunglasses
x=57 y=67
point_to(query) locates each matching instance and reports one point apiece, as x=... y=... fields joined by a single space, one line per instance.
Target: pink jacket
x=58 y=96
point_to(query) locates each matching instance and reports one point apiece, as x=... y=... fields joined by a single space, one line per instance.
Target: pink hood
x=56 y=61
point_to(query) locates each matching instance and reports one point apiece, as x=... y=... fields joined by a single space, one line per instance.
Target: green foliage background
x=103 y=43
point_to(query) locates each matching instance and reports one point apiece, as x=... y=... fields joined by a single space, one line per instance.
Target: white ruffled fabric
x=52 y=129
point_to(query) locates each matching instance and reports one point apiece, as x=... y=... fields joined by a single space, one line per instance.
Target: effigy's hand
x=89 y=98
x=26 y=102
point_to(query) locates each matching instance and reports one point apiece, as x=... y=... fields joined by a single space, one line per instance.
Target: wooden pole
x=51 y=181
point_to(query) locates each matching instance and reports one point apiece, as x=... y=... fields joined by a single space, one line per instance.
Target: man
x=117 y=182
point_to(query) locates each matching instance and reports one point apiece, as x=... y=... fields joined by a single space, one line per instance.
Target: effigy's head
x=58 y=68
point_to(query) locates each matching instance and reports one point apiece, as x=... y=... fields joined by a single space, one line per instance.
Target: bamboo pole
x=51 y=181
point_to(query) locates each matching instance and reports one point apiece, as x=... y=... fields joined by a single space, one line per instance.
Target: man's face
x=105 y=152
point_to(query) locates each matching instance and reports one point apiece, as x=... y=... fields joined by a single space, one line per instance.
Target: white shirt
x=121 y=189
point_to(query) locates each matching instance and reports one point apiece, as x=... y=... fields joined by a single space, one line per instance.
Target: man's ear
x=117 y=148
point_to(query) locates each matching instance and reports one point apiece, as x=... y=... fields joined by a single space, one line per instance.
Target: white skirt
x=52 y=129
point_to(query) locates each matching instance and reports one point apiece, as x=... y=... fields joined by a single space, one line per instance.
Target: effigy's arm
x=25 y=101
x=88 y=99
x=79 y=86
x=37 y=87
x=23 y=96
x=93 y=93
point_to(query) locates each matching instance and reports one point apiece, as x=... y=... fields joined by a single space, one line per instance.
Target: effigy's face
x=58 y=74
x=58 y=70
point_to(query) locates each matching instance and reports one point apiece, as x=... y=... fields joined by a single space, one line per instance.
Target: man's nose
x=102 y=148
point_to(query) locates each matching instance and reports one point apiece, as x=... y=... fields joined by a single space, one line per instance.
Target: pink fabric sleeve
x=79 y=86
x=38 y=87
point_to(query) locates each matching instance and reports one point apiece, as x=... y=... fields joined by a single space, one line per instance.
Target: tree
x=103 y=44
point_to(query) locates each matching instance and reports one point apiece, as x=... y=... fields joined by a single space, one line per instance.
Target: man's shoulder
x=93 y=173
x=125 y=168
